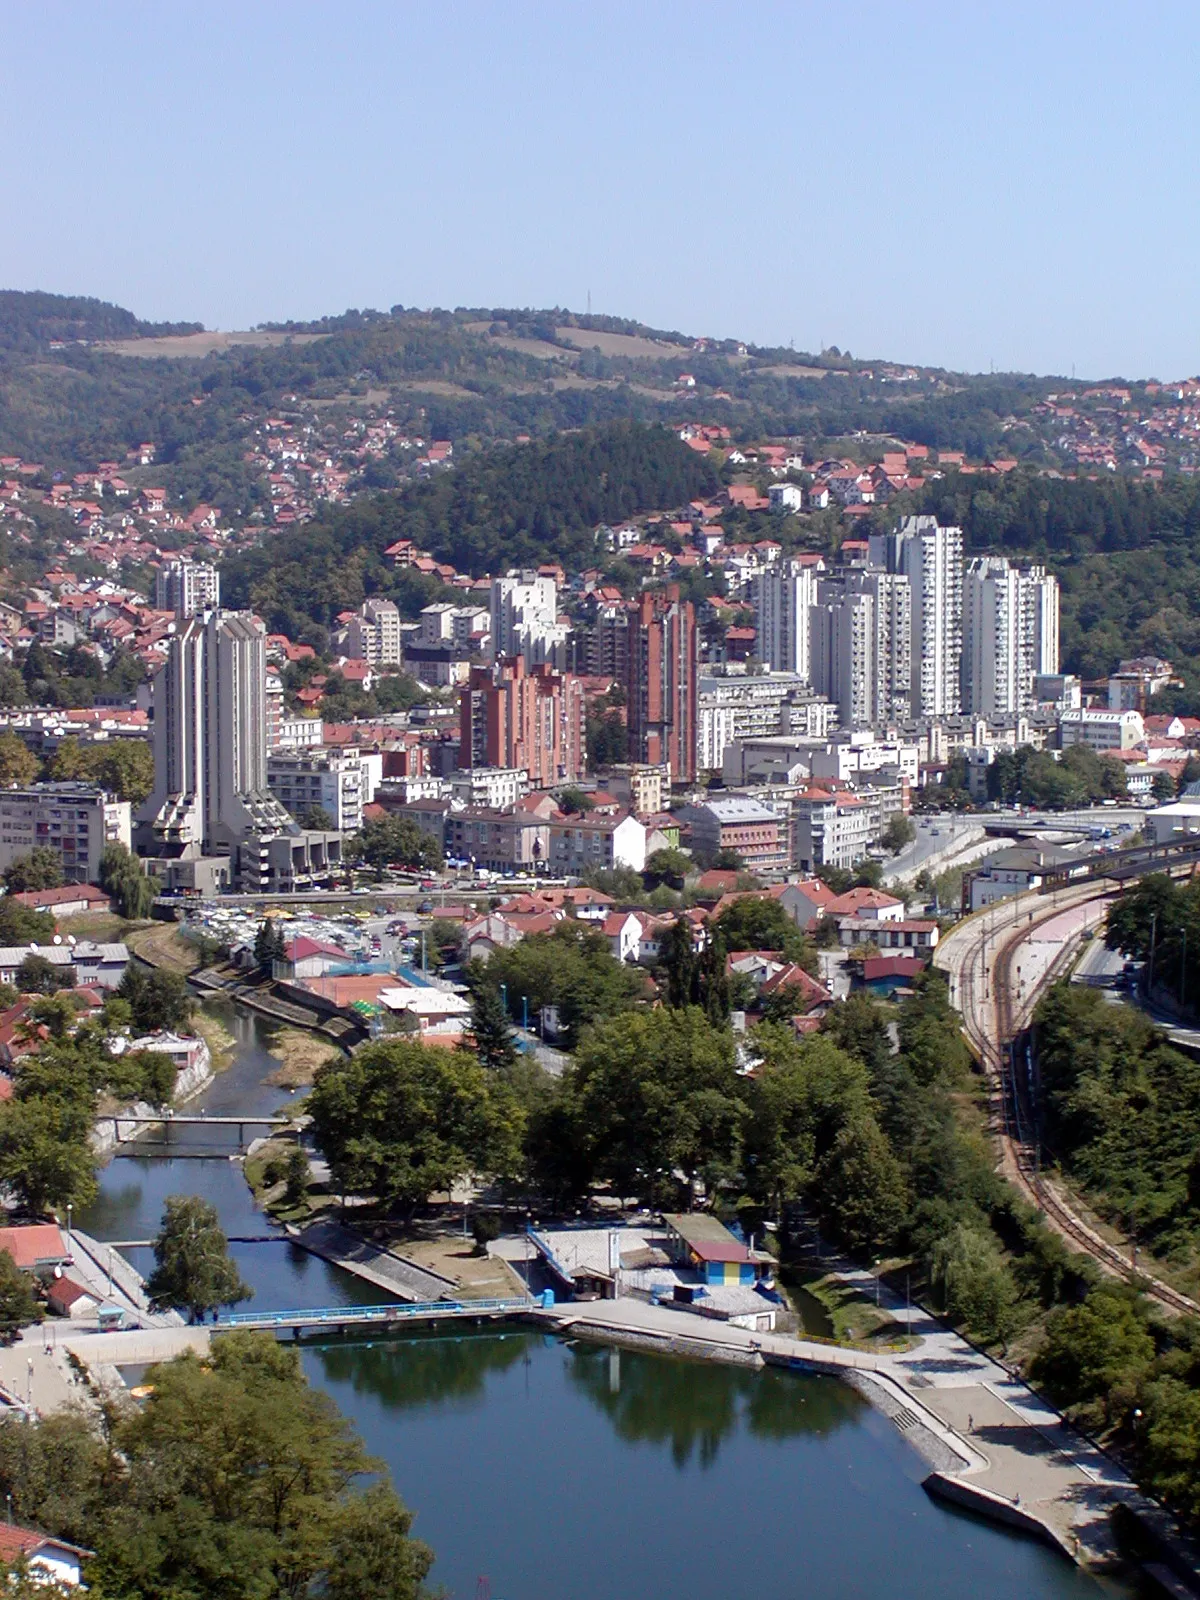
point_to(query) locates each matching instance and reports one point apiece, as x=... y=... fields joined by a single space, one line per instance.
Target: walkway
x=371 y=1262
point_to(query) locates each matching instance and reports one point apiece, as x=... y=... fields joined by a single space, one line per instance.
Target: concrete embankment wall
x=962 y=1492
x=110 y=1132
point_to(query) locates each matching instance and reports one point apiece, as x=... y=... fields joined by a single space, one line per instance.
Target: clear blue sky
x=964 y=184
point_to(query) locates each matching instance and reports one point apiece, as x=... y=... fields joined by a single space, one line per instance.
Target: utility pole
x=1153 y=936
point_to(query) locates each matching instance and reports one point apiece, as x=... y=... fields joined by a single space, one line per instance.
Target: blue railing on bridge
x=400 y=1312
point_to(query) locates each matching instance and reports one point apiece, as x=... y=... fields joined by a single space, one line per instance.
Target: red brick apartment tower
x=513 y=715
x=662 y=682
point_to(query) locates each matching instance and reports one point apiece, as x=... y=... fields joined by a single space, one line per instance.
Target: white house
x=623 y=930
x=51 y=1560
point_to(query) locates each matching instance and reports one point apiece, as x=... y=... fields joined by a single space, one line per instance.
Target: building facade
x=531 y=718
x=524 y=607
x=185 y=587
x=76 y=820
x=783 y=595
x=1010 y=635
x=374 y=636
x=930 y=556
x=661 y=708
x=331 y=779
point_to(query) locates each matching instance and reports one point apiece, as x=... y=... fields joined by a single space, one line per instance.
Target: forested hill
x=512 y=505
x=31 y=321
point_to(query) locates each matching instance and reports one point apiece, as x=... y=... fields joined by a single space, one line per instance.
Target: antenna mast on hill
x=589 y=302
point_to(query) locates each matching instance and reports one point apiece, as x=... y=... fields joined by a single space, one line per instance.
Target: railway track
x=993 y=1022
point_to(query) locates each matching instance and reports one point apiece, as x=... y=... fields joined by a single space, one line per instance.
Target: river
x=565 y=1471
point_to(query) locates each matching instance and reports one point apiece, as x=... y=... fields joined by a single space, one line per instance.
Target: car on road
x=425 y=907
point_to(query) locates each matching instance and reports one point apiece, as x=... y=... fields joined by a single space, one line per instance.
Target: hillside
x=522 y=504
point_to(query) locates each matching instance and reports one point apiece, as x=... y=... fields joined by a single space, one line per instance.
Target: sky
x=969 y=185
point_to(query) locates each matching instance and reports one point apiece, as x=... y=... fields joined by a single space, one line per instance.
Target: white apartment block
x=744 y=707
x=465 y=627
x=185 y=587
x=783 y=595
x=1102 y=730
x=210 y=739
x=331 y=779
x=492 y=788
x=77 y=820
x=930 y=557
x=858 y=754
x=525 y=619
x=1010 y=635
x=845 y=660
x=373 y=635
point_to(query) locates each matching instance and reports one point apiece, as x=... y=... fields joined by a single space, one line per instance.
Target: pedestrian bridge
x=345 y=1318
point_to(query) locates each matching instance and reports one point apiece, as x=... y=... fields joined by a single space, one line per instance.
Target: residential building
x=783 y=595
x=855 y=753
x=332 y=779
x=524 y=611
x=760 y=835
x=1010 y=635
x=1137 y=681
x=736 y=707
x=210 y=738
x=493 y=788
x=499 y=841
x=836 y=828
x=845 y=658
x=76 y=820
x=373 y=634
x=49 y=1560
x=211 y=802
x=185 y=587
x=643 y=788
x=1102 y=730
x=586 y=841
x=661 y=708
x=930 y=556
x=514 y=715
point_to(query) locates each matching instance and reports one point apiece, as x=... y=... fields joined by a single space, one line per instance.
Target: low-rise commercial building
x=760 y=835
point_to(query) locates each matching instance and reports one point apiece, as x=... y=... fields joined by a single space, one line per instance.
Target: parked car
x=425 y=907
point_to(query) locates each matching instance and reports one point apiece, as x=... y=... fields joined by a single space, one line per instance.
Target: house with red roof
x=48 y=1559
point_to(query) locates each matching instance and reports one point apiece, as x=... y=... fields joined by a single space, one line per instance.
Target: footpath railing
x=354 y=1316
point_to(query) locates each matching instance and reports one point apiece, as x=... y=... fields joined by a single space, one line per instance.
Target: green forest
x=513 y=505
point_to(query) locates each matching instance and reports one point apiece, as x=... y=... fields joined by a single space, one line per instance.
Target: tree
x=859 y=1187
x=485 y=1227
x=295 y=1175
x=193 y=1270
x=18 y=764
x=123 y=877
x=236 y=1479
x=976 y=1287
x=158 y=1000
x=318 y=819
x=39 y=975
x=898 y=833
x=269 y=945
x=46 y=1158
x=756 y=922
x=41 y=868
x=656 y=1093
x=1096 y=1353
x=1163 y=787
x=400 y=1120
x=19 y=1306
x=394 y=841
x=668 y=866
x=20 y=925
x=572 y=801
x=490 y=1030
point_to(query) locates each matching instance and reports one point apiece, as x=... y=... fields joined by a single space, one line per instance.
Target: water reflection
x=692 y=1406
x=421 y=1370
